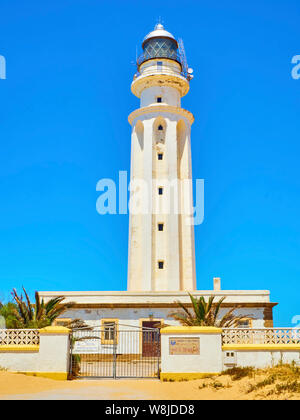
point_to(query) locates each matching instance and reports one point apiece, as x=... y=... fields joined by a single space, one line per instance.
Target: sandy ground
x=18 y=386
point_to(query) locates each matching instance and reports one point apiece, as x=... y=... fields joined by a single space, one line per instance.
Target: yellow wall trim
x=54 y=330
x=188 y=376
x=58 y=376
x=261 y=347
x=191 y=330
x=14 y=348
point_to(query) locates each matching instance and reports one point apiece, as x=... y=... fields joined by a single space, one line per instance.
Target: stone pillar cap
x=55 y=330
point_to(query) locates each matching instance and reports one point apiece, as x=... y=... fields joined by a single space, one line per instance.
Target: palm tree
x=38 y=315
x=205 y=314
x=8 y=312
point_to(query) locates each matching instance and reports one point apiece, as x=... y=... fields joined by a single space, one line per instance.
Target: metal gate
x=115 y=352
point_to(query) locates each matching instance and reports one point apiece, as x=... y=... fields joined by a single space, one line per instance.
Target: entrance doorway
x=151 y=338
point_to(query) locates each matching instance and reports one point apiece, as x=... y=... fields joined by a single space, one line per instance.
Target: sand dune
x=258 y=386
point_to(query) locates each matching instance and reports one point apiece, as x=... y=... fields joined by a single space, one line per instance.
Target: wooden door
x=151 y=339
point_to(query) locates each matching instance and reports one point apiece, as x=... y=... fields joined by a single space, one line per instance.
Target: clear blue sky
x=63 y=126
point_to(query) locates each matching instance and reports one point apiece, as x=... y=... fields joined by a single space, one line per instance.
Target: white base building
x=143 y=309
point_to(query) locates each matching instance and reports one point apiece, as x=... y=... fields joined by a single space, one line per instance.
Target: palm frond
x=39 y=315
x=182 y=306
x=38 y=306
x=216 y=309
x=21 y=306
x=196 y=307
x=52 y=303
x=182 y=318
x=205 y=313
x=29 y=307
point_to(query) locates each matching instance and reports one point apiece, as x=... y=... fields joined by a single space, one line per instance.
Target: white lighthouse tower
x=161 y=243
x=161 y=240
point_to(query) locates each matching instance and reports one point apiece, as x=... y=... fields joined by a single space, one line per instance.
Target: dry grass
x=276 y=383
x=238 y=373
x=280 y=382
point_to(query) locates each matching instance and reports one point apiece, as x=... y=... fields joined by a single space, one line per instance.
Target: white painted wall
x=208 y=361
x=54 y=353
x=169 y=95
x=20 y=362
x=256 y=313
x=131 y=316
x=52 y=356
x=261 y=358
x=126 y=316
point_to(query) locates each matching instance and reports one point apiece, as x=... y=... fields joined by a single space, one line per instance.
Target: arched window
x=160 y=127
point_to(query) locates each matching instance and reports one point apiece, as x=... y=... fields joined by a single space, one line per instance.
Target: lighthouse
x=161 y=236
x=161 y=262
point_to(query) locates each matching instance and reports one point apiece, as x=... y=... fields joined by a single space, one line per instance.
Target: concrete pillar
x=190 y=352
x=54 y=352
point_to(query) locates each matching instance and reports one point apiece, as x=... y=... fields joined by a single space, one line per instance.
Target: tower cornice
x=158 y=109
x=148 y=80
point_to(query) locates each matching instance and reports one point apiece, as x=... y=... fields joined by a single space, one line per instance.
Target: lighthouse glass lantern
x=159 y=44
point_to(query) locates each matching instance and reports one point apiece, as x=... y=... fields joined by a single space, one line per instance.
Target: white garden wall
x=190 y=352
x=259 y=358
x=49 y=358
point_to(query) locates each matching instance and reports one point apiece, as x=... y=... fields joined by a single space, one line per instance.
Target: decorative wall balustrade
x=19 y=337
x=261 y=336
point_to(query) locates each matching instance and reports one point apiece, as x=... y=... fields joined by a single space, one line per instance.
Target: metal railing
x=19 y=337
x=261 y=336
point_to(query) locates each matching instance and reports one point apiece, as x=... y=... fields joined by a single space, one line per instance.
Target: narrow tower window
x=159 y=65
x=159 y=99
x=160 y=227
x=160 y=128
x=160 y=265
x=160 y=190
x=160 y=156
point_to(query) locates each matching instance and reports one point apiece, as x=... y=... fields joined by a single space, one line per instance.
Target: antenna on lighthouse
x=187 y=72
x=160 y=21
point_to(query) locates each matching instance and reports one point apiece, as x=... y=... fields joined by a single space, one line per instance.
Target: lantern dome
x=159 y=43
x=159 y=32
